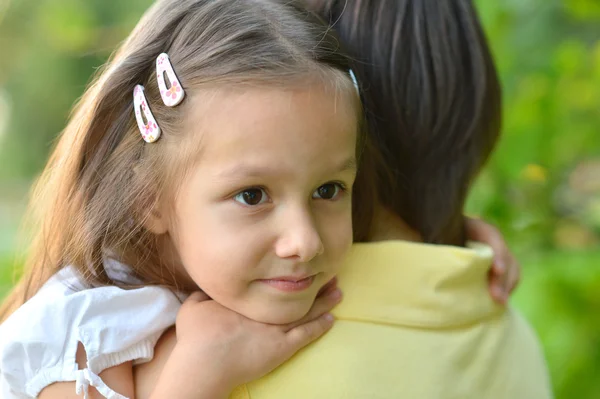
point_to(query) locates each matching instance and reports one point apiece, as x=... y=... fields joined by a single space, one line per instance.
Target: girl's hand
x=218 y=349
x=505 y=272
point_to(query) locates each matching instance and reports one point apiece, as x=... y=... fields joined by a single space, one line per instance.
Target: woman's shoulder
x=38 y=342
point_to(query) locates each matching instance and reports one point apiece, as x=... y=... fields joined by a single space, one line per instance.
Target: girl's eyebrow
x=248 y=170
x=348 y=165
x=256 y=170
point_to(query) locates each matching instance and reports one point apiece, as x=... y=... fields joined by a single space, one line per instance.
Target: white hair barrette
x=173 y=95
x=145 y=120
x=354 y=80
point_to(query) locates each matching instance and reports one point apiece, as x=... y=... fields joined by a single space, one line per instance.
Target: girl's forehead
x=274 y=128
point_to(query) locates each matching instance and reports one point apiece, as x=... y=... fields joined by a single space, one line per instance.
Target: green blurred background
x=542 y=186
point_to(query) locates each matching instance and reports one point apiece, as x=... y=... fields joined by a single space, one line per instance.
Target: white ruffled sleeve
x=39 y=341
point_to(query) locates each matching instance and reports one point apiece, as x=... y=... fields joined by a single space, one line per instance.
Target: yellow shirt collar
x=416 y=285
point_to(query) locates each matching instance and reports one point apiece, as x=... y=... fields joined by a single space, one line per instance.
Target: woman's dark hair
x=432 y=99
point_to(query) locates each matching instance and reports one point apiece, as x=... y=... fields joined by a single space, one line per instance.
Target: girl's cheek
x=340 y=236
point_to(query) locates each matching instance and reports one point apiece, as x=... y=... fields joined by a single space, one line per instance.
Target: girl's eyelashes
x=252 y=196
x=329 y=191
x=255 y=196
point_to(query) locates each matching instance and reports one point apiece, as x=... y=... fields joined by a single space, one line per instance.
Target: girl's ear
x=149 y=207
x=156 y=222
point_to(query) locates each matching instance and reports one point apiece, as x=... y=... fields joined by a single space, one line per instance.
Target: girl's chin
x=280 y=314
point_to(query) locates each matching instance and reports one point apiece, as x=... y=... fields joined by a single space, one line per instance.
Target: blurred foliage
x=542 y=186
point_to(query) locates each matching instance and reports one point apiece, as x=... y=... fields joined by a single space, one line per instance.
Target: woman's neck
x=389 y=226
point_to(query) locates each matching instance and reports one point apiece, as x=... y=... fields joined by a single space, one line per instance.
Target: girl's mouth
x=290 y=284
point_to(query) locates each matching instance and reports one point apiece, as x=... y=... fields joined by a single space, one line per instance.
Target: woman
x=416 y=321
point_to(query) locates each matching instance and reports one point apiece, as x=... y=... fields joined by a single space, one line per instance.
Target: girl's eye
x=252 y=197
x=329 y=191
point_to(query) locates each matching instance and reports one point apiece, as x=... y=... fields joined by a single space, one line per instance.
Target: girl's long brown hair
x=102 y=180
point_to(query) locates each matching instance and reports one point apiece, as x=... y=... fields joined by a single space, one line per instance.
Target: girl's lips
x=289 y=284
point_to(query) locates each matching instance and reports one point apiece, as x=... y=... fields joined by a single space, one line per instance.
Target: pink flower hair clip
x=145 y=120
x=173 y=95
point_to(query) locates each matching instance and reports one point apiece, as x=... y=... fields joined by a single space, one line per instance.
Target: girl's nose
x=300 y=238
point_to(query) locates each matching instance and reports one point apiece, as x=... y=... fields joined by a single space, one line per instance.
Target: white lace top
x=39 y=341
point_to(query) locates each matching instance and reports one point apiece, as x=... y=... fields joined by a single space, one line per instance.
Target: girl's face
x=264 y=220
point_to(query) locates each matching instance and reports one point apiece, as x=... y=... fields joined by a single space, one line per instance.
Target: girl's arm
x=505 y=273
x=146 y=376
x=118 y=378
x=212 y=350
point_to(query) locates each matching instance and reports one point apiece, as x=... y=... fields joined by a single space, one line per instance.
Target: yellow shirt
x=416 y=322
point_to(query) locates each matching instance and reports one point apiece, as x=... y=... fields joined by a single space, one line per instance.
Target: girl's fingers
x=514 y=276
x=500 y=279
x=502 y=285
x=322 y=305
x=484 y=232
x=510 y=277
x=505 y=271
x=327 y=288
x=479 y=230
x=302 y=335
x=499 y=266
x=502 y=257
x=496 y=288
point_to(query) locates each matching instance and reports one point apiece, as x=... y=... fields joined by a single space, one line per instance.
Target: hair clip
x=354 y=80
x=175 y=93
x=148 y=128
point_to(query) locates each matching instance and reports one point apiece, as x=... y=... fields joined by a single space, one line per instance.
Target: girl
x=245 y=193
x=235 y=176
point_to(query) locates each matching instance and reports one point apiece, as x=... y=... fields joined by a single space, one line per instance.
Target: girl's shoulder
x=38 y=342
